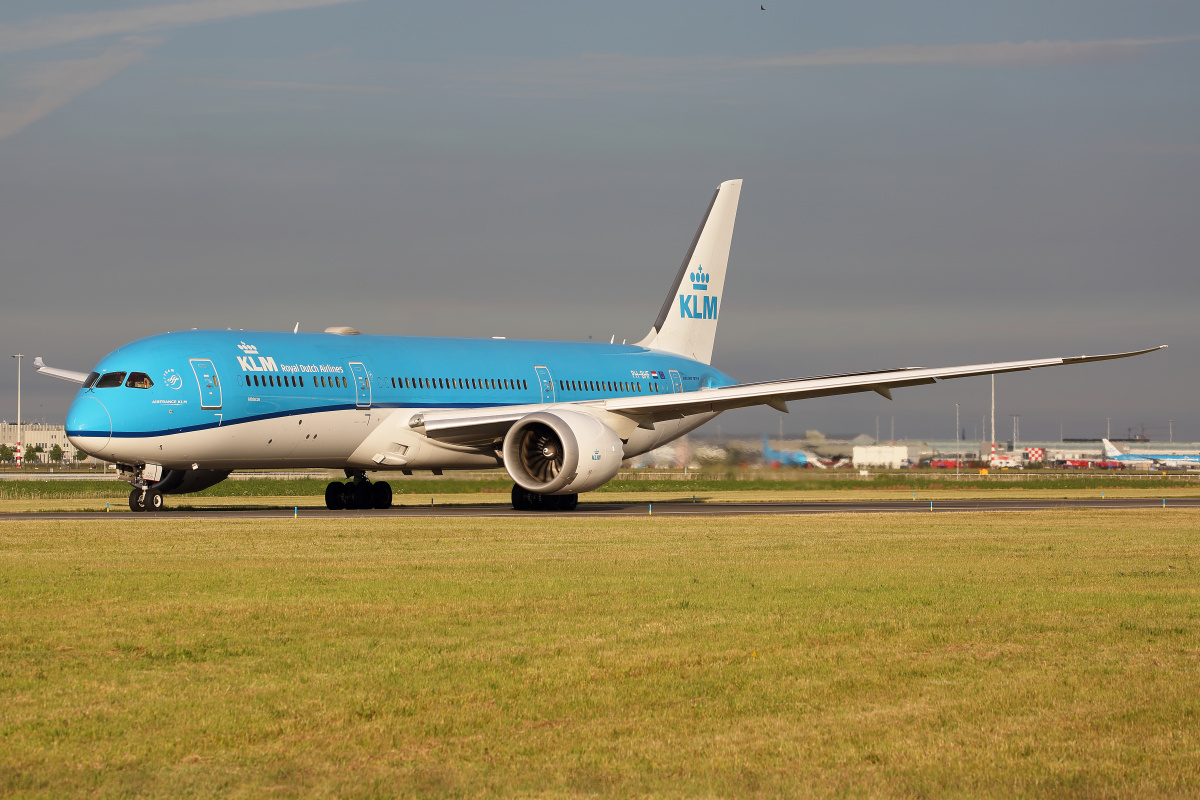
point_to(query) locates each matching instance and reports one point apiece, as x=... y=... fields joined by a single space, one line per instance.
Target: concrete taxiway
x=674 y=509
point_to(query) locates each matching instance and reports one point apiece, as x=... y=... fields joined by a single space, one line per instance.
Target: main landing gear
x=359 y=493
x=525 y=500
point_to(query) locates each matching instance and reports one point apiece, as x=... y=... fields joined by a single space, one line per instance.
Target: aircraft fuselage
x=244 y=400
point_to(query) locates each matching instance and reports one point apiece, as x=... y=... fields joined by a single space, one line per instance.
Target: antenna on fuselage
x=297 y=328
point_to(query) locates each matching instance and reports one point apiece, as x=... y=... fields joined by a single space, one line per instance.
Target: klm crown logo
x=248 y=349
x=690 y=305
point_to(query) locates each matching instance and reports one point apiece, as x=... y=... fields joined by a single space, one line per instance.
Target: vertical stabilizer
x=1110 y=450
x=687 y=323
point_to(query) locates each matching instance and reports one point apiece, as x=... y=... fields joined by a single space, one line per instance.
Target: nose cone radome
x=89 y=425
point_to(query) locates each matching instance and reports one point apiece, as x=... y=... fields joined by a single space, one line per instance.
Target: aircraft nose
x=89 y=425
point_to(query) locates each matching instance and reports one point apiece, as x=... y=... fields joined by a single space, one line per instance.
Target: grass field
x=1049 y=653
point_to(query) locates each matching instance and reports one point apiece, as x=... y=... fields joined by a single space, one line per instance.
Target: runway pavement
x=642 y=509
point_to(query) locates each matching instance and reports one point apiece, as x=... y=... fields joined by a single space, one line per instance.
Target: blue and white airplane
x=179 y=411
x=1165 y=460
x=789 y=458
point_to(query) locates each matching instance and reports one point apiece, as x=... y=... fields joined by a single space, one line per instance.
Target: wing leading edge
x=777 y=393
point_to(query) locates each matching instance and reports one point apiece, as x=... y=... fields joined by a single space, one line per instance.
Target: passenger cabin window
x=90 y=380
x=111 y=380
x=139 y=380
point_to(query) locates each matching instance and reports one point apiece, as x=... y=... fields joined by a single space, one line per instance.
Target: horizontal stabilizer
x=61 y=374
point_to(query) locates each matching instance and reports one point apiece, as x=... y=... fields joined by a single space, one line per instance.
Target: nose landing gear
x=145 y=499
x=358 y=493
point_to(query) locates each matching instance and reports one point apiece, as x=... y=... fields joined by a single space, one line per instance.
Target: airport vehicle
x=178 y=411
x=789 y=458
x=944 y=463
x=1163 y=460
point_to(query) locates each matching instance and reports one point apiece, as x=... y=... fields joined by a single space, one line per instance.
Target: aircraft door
x=547 y=384
x=209 y=381
x=676 y=381
x=362 y=384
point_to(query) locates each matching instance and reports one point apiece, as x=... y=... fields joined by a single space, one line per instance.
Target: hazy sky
x=925 y=183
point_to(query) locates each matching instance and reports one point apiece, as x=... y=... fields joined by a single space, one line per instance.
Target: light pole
x=1108 y=427
x=957 y=449
x=992 y=459
x=1171 y=430
x=20 y=430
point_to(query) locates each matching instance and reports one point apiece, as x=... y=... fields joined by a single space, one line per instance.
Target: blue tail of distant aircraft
x=786 y=458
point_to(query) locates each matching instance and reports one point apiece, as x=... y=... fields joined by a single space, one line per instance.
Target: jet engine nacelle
x=561 y=452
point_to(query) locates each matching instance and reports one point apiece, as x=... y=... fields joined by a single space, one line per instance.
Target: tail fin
x=687 y=323
x=1110 y=450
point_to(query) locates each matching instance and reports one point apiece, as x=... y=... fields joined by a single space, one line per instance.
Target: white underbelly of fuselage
x=367 y=439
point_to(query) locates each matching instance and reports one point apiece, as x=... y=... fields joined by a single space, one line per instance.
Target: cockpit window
x=111 y=380
x=90 y=380
x=139 y=380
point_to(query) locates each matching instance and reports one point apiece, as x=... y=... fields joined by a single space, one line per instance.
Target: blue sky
x=925 y=183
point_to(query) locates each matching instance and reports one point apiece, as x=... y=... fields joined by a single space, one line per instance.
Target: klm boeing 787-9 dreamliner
x=179 y=411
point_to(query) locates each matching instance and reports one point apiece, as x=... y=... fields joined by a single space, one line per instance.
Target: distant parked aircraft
x=790 y=458
x=1167 y=460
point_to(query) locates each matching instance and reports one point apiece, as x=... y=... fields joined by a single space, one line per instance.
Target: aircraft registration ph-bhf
x=179 y=411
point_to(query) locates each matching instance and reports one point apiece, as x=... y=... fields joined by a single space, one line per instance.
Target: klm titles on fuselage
x=253 y=362
x=693 y=306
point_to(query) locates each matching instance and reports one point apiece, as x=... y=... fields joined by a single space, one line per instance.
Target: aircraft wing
x=474 y=427
x=777 y=393
x=61 y=374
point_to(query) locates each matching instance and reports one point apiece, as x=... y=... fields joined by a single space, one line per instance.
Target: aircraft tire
x=348 y=497
x=566 y=502
x=363 y=495
x=381 y=495
x=333 y=497
x=154 y=500
x=136 y=502
x=521 y=499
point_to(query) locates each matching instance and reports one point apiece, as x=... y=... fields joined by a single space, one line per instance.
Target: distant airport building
x=38 y=434
x=882 y=455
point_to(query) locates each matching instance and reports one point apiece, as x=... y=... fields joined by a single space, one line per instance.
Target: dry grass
x=970 y=655
x=117 y=502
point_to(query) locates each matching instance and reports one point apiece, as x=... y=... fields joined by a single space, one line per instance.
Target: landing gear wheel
x=363 y=494
x=333 y=497
x=154 y=500
x=137 y=500
x=381 y=494
x=565 y=502
x=349 y=497
x=521 y=499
